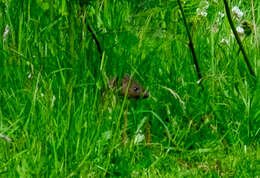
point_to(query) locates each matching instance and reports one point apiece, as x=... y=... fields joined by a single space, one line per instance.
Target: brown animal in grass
x=129 y=86
x=132 y=89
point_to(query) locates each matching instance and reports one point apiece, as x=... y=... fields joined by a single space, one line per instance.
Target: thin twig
x=191 y=44
x=238 y=39
x=96 y=41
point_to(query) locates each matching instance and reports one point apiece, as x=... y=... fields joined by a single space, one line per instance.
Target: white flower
x=204 y=13
x=202 y=9
x=224 y=41
x=7 y=29
x=237 y=12
x=139 y=137
x=221 y=14
x=201 y=12
x=240 y=30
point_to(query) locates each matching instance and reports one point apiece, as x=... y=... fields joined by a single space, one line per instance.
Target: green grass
x=61 y=123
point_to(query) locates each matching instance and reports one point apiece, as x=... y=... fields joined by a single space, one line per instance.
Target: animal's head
x=135 y=90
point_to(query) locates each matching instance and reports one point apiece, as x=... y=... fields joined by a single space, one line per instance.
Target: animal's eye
x=136 y=89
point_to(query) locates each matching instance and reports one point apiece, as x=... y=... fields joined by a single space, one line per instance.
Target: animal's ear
x=112 y=82
x=127 y=77
x=115 y=81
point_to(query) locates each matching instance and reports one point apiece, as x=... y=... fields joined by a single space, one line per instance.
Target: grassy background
x=51 y=82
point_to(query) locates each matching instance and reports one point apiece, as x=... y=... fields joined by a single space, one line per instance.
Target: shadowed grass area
x=58 y=118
